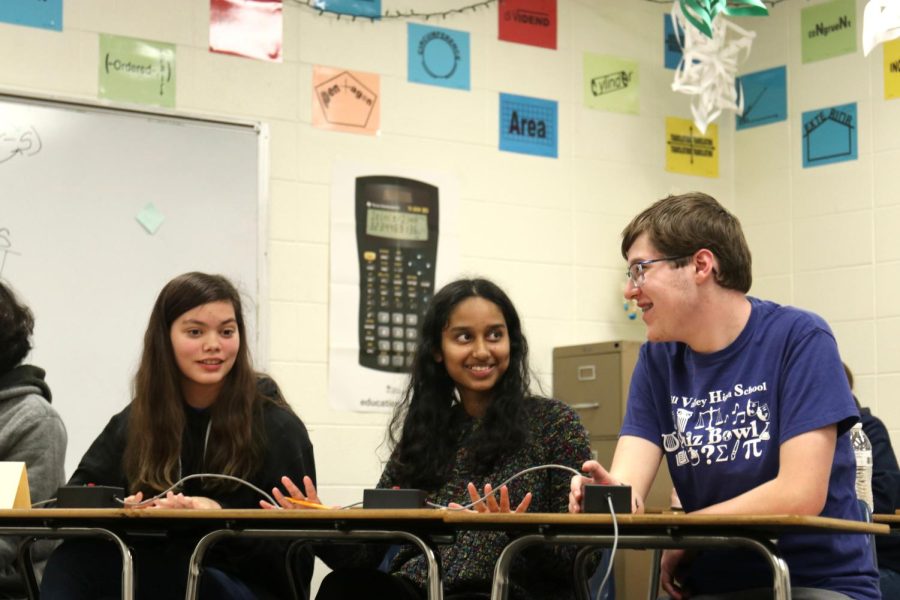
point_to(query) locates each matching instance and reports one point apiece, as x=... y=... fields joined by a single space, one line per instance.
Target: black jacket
x=288 y=451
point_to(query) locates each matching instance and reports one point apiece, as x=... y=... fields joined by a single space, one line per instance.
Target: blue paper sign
x=765 y=98
x=46 y=14
x=829 y=135
x=671 y=48
x=438 y=56
x=359 y=8
x=528 y=125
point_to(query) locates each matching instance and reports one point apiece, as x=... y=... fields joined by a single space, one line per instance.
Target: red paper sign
x=531 y=22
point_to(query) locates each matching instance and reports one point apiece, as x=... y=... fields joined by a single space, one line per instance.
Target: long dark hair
x=425 y=427
x=157 y=419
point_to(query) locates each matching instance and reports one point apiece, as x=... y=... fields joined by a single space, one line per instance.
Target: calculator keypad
x=397 y=286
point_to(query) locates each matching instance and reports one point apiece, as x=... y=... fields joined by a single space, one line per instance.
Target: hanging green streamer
x=701 y=13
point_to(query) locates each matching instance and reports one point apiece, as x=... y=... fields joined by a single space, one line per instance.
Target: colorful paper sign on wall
x=688 y=151
x=346 y=100
x=829 y=135
x=828 y=30
x=531 y=22
x=610 y=83
x=359 y=8
x=139 y=71
x=438 y=56
x=891 y=69
x=251 y=28
x=528 y=125
x=765 y=98
x=671 y=48
x=46 y=14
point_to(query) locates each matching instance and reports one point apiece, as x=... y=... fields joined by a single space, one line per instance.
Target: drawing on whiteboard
x=19 y=141
x=5 y=247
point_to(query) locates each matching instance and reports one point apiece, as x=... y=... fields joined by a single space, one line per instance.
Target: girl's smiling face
x=475 y=351
x=205 y=342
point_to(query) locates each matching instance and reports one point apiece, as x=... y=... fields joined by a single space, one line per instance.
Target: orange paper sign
x=346 y=100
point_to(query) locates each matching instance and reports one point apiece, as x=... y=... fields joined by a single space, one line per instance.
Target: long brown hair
x=156 y=422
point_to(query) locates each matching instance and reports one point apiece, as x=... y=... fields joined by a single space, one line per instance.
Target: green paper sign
x=828 y=30
x=137 y=71
x=610 y=83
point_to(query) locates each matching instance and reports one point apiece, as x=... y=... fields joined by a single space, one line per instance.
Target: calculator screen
x=396 y=225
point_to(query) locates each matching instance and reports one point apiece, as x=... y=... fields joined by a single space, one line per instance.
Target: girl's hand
x=597 y=474
x=490 y=503
x=134 y=501
x=173 y=500
x=311 y=496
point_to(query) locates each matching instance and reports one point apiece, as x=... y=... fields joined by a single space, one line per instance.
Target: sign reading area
x=528 y=125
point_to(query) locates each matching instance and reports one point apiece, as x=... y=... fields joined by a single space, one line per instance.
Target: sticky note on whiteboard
x=150 y=218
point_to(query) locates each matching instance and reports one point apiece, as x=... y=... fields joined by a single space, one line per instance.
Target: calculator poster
x=394 y=242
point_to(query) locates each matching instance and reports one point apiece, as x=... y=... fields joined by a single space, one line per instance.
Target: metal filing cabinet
x=594 y=380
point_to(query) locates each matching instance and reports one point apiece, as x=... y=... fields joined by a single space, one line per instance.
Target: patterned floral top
x=555 y=436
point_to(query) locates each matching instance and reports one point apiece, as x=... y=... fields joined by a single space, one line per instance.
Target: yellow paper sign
x=346 y=100
x=892 y=69
x=690 y=152
x=14 y=490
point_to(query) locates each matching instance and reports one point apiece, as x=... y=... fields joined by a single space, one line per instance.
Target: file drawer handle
x=585 y=405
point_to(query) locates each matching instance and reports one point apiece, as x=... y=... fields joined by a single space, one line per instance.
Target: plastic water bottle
x=862 y=449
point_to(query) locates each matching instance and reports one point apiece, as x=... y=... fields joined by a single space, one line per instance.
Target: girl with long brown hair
x=198 y=408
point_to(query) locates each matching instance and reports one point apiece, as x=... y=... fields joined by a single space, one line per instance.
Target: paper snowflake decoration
x=709 y=66
x=881 y=23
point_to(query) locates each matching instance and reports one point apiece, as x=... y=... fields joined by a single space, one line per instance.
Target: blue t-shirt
x=720 y=419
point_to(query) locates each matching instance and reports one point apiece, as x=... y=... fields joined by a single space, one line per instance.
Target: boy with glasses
x=745 y=398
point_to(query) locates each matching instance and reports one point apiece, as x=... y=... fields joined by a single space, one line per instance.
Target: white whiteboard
x=73 y=178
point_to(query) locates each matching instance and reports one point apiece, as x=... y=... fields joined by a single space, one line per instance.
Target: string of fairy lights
x=322 y=8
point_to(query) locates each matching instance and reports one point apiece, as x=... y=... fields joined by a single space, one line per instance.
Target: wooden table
x=424 y=528
x=670 y=530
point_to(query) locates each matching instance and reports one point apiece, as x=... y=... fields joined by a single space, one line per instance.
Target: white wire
x=497 y=489
x=612 y=553
x=275 y=504
x=269 y=498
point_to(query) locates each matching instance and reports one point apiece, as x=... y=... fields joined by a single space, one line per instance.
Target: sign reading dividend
x=531 y=22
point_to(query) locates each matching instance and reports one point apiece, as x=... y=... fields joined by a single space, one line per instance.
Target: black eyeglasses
x=635 y=272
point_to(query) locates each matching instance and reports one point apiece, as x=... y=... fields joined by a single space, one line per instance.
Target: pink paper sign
x=251 y=28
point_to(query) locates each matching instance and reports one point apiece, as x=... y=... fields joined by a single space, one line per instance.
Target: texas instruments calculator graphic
x=396 y=239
